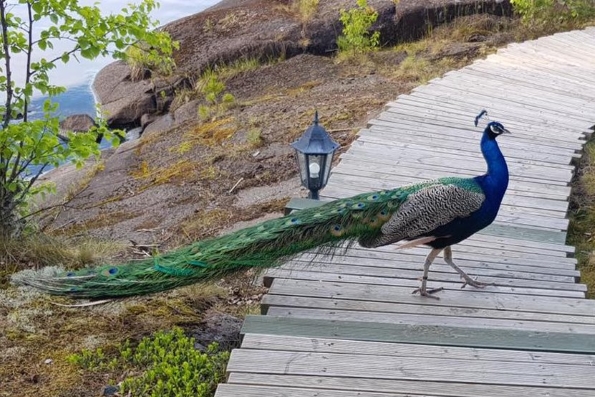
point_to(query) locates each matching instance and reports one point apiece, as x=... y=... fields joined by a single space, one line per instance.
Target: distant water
x=77 y=99
x=78 y=77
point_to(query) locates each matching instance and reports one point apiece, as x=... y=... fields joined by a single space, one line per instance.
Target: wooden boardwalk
x=349 y=326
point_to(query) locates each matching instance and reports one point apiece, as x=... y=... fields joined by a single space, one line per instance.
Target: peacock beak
x=505 y=131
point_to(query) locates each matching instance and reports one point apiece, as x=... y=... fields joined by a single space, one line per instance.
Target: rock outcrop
x=77 y=123
x=261 y=29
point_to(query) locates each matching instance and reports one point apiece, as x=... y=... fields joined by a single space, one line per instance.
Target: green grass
x=581 y=232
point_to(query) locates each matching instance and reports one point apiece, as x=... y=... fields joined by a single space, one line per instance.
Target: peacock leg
x=423 y=291
x=468 y=280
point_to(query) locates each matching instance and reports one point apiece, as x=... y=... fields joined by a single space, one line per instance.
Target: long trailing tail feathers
x=261 y=246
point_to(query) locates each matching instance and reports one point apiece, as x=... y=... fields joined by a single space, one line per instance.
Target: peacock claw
x=428 y=293
x=474 y=283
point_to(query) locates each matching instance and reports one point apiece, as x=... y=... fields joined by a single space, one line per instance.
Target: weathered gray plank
x=387 y=367
x=294 y=302
x=441 y=274
x=339 y=346
x=455 y=297
x=415 y=387
x=386 y=259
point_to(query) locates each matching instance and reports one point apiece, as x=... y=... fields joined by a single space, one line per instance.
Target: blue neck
x=495 y=181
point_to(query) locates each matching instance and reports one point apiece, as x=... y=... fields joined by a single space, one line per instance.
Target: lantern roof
x=315 y=140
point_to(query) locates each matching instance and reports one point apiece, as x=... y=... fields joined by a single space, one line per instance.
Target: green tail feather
x=261 y=246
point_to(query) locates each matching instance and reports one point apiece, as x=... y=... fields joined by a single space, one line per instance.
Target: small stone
x=48 y=361
x=110 y=391
x=200 y=347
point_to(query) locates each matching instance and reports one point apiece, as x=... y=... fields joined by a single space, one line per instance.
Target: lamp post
x=314 y=151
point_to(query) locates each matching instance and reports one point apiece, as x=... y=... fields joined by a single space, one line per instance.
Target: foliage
x=213 y=91
x=306 y=9
x=581 y=231
x=171 y=365
x=356 y=25
x=28 y=147
x=140 y=59
x=542 y=12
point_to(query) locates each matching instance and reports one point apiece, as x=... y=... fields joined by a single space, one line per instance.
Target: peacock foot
x=428 y=292
x=474 y=283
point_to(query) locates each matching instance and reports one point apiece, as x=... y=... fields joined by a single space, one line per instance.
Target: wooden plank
x=515 y=117
x=523 y=233
x=300 y=302
x=541 y=130
x=516 y=166
x=339 y=346
x=407 y=119
x=535 y=140
x=547 y=64
x=415 y=387
x=411 y=270
x=508 y=215
x=465 y=257
x=304 y=274
x=410 y=172
x=234 y=390
x=391 y=256
x=413 y=173
x=398 y=125
x=529 y=136
x=556 y=105
x=455 y=297
x=370 y=181
x=420 y=319
x=420 y=126
x=478 y=93
x=335 y=276
x=404 y=368
x=401 y=139
x=536 y=148
x=565 y=249
x=524 y=76
x=425 y=335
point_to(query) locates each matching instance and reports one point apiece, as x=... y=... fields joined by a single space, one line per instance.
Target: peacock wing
x=427 y=209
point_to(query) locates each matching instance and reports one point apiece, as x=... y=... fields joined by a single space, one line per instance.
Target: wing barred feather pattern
x=425 y=211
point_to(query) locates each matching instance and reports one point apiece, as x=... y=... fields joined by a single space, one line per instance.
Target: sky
x=76 y=73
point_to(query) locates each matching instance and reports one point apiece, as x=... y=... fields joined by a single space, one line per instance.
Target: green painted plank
x=298 y=203
x=422 y=334
x=543 y=236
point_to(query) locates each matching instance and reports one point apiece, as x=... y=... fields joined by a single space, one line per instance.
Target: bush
x=356 y=25
x=172 y=366
x=542 y=12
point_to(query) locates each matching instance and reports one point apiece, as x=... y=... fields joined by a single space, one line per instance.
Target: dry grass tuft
x=39 y=250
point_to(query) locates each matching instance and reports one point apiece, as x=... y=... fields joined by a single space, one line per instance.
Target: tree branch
x=9 y=91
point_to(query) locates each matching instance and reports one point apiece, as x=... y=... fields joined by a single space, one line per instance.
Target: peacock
x=438 y=214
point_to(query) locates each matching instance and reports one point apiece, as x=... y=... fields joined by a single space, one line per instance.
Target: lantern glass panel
x=327 y=168
x=315 y=167
x=303 y=165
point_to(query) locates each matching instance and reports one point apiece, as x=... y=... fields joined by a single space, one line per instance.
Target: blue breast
x=493 y=184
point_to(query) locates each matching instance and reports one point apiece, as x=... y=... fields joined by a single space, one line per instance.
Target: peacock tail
x=268 y=244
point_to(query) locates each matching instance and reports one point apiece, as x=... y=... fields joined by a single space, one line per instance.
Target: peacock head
x=495 y=129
